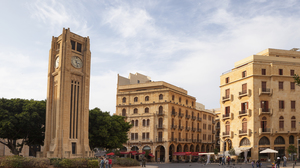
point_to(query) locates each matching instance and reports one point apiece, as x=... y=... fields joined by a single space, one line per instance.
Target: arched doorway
x=179 y=149
x=134 y=148
x=192 y=148
x=202 y=148
x=147 y=150
x=197 y=148
x=266 y=144
x=186 y=148
x=207 y=148
x=160 y=154
x=281 y=149
x=171 y=151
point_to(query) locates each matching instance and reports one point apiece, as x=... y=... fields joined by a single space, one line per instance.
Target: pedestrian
x=252 y=163
x=284 y=161
x=106 y=163
x=101 y=163
x=257 y=164
x=110 y=162
x=278 y=162
x=228 y=160
x=223 y=160
x=144 y=161
x=220 y=160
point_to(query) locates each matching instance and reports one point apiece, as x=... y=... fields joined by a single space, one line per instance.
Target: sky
x=186 y=43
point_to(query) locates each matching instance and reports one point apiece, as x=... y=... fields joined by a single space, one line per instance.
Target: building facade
x=165 y=118
x=258 y=103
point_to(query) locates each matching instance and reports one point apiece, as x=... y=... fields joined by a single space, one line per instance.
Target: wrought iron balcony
x=160 y=113
x=180 y=115
x=199 y=119
x=173 y=126
x=180 y=127
x=173 y=113
x=187 y=116
x=194 y=117
x=199 y=130
x=187 y=128
x=193 y=129
x=159 y=126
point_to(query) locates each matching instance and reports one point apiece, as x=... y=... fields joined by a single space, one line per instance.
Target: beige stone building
x=165 y=118
x=258 y=103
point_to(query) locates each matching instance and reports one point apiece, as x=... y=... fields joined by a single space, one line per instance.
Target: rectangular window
x=209 y=137
x=197 y=137
x=292 y=85
x=280 y=71
x=227 y=93
x=73 y=44
x=132 y=136
x=186 y=136
x=293 y=124
x=265 y=106
x=227 y=80
x=143 y=135
x=79 y=47
x=73 y=148
x=179 y=136
x=244 y=74
x=172 y=135
x=209 y=127
x=264 y=86
x=136 y=136
x=244 y=107
x=204 y=126
x=244 y=88
x=204 y=116
x=263 y=71
x=160 y=135
x=147 y=135
x=227 y=110
x=281 y=104
x=292 y=72
x=293 y=104
x=209 y=118
x=281 y=124
x=280 y=84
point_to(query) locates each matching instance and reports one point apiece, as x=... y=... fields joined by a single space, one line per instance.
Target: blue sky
x=186 y=43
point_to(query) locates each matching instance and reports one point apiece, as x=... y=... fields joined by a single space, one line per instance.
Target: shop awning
x=124 y=153
x=179 y=153
x=133 y=152
x=141 y=153
x=110 y=154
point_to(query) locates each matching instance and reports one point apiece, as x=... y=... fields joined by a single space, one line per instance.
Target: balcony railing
x=217 y=127
x=173 y=139
x=193 y=129
x=244 y=93
x=265 y=111
x=180 y=127
x=226 y=116
x=213 y=131
x=213 y=121
x=187 y=116
x=266 y=130
x=159 y=139
x=180 y=115
x=199 y=130
x=226 y=98
x=173 y=126
x=242 y=132
x=199 y=119
x=160 y=113
x=159 y=126
x=173 y=113
x=199 y=140
x=187 y=128
x=226 y=133
x=265 y=91
x=244 y=113
x=194 y=117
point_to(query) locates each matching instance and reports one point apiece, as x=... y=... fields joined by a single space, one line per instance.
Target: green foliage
x=231 y=152
x=18 y=161
x=292 y=149
x=297 y=79
x=147 y=152
x=93 y=164
x=107 y=131
x=216 y=151
x=125 y=162
x=21 y=120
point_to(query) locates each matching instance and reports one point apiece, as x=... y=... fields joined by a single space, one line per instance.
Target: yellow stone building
x=258 y=103
x=165 y=118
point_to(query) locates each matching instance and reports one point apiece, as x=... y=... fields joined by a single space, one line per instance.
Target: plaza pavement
x=213 y=165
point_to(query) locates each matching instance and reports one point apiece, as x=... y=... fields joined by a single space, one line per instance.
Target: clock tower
x=67 y=113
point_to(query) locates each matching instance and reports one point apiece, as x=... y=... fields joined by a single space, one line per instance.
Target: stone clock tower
x=67 y=115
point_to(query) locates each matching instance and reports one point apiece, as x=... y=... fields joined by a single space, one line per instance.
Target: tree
x=216 y=151
x=21 y=123
x=107 y=131
x=231 y=152
x=297 y=79
x=292 y=149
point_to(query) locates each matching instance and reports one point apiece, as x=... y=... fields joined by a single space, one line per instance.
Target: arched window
x=179 y=99
x=146 y=110
x=293 y=123
x=124 y=100
x=281 y=123
x=148 y=122
x=179 y=111
x=135 y=111
x=124 y=112
x=160 y=109
x=173 y=110
x=198 y=115
x=192 y=103
x=291 y=139
x=132 y=122
x=192 y=114
x=147 y=98
x=173 y=97
x=136 y=123
x=279 y=140
x=245 y=142
x=264 y=141
x=186 y=102
x=161 y=97
x=135 y=99
x=160 y=122
x=144 y=123
x=227 y=127
x=244 y=125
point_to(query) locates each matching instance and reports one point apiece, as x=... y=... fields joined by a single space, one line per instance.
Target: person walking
x=109 y=162
x=220 y=160
x=257 y=164
x=144 y=161
x=223 y=160
x=101 y=163
x=106 y=163
x=228 y=160
x=278 y=162
x=284 y=161
x=252 y=163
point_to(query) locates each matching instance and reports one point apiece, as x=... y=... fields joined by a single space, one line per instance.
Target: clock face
x=56 y=62
x=76 y=62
